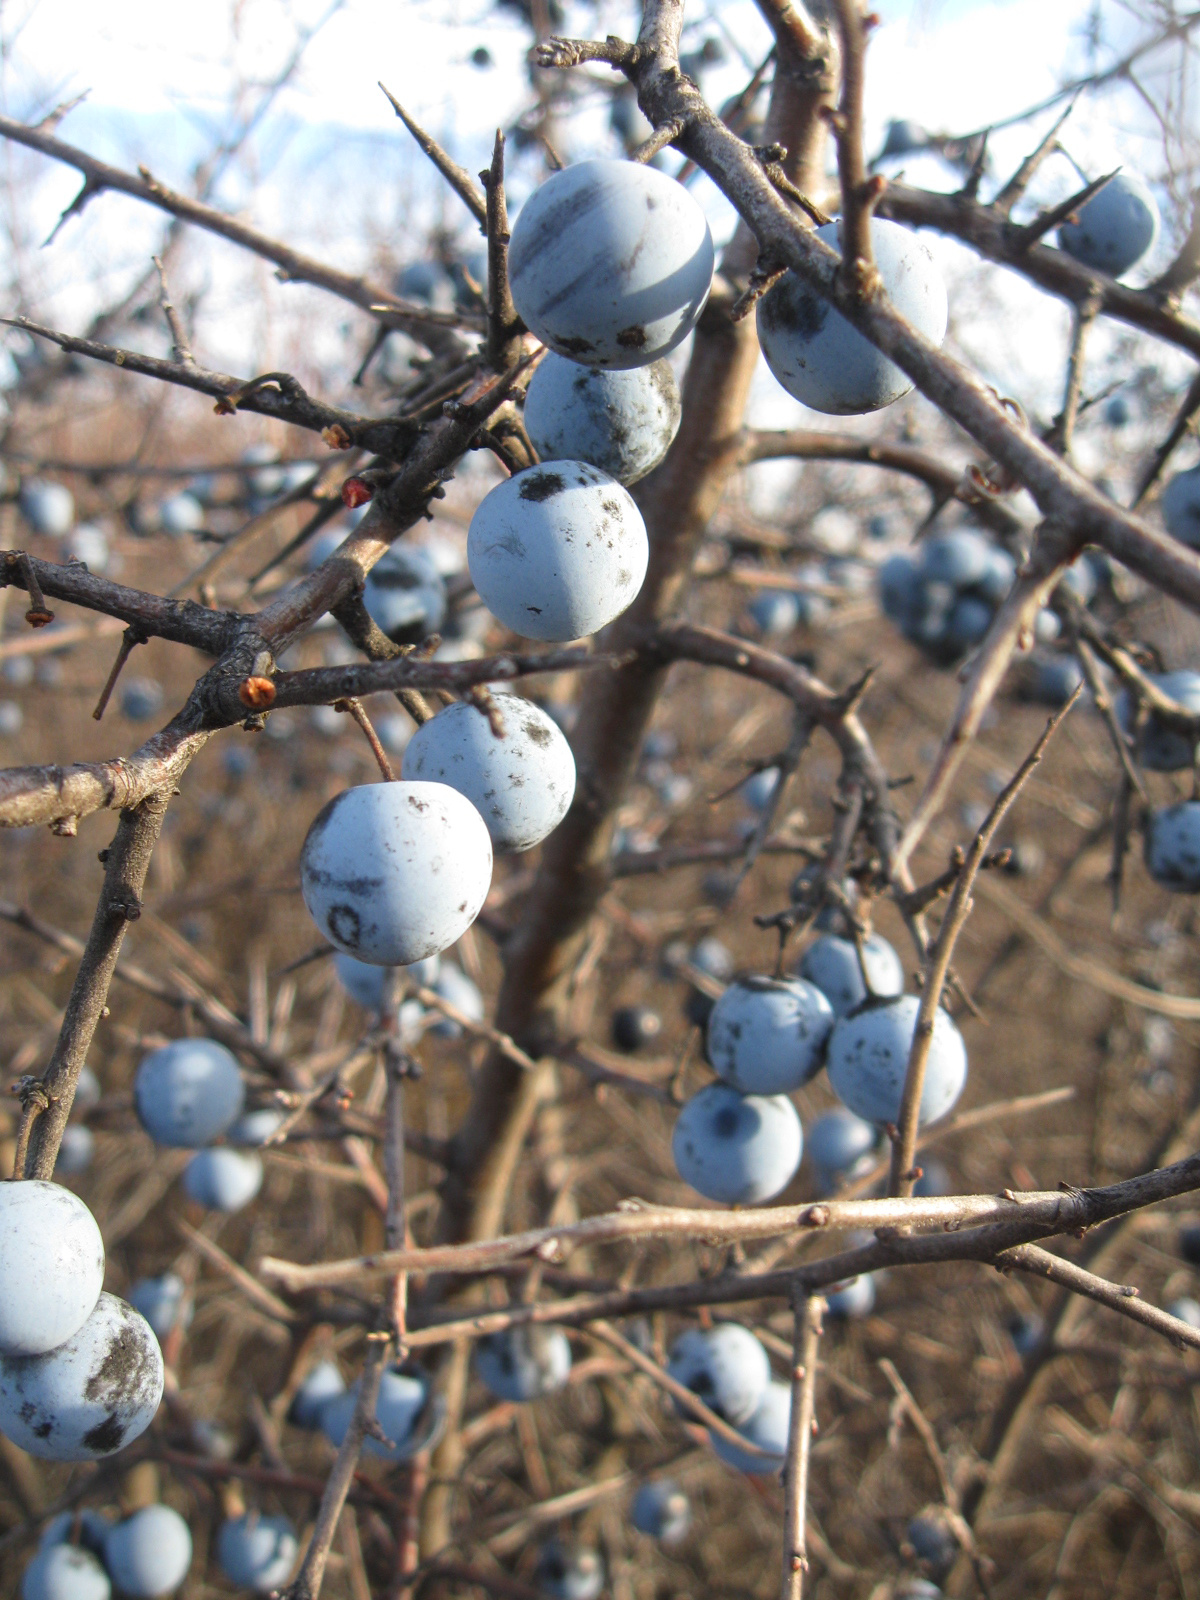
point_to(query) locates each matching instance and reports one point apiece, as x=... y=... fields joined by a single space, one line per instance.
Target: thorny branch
x=276 y=395
x=996 y=1230
x=1075 y=505
x=434 y=328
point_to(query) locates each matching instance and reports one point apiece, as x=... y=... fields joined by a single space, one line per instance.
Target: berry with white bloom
x=394 y=872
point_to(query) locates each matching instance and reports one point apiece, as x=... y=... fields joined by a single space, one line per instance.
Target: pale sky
x=335 y=173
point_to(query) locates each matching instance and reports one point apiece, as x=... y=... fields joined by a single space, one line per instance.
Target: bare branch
x=220 y=1022
x=326 y=685
x=943 y=481
x=306 y=1585
x=433 y=328
x=1055 y=271
x=1183 y=421
x=32 y=795
x=679 y=1392
x=275 y=395
x=1012 y=624
x=354 y=708
x=1066 y=209
x=806 y=1338
x=1118 y=1297
x=182 y=621
x=1185 y=1008
x=858 y=275
x=180 y=347
x=1071 y=1210
x=1014 y=189
x=937 y=965
x=127 y=861
x=638 y=1221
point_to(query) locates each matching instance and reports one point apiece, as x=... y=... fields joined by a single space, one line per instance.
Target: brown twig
x=1119 y=1297
x=806 y=1337
x=306 y=1585
x=945 y=482
x=1073 y=1210
x=992 y=236
x=259 y=1297
x=268 y=396
x=129 y=642
x=1012 y=624
x=639 y=1221
x=1084 y=969
x=1014 y=190
x=180 y=621
x=327 y=685
x=1066 y=209
x=1103 y=703
x=937 y=965
x=127 y=862
x=395 y=1224
x=353 y=707
x=1179 y=427
x=679 y=1392
x=858 y=276
x=1063 y=431
x=218 y=1019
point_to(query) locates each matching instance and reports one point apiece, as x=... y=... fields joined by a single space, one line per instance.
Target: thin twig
x=436 y=329
x=181 y=349
x=306 y=1585
x=1040 y=226
x=1119 y=1297
x=355 y=708
x=1179 y=427
x=682 y=1395
x=860 y=193
x=806 y=1314
x=129 y=642
x=1014 y=190
x=268 y=395
x=636 y=1220
x=395 y=1225
x=1064 y=431
x=126 y=864
x=902 y=1176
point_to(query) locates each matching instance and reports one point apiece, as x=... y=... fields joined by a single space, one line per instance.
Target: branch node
x=257 y=693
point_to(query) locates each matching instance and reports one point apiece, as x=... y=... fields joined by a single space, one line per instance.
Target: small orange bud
x=356 y=493
x=336 y=437
x=257 y=693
